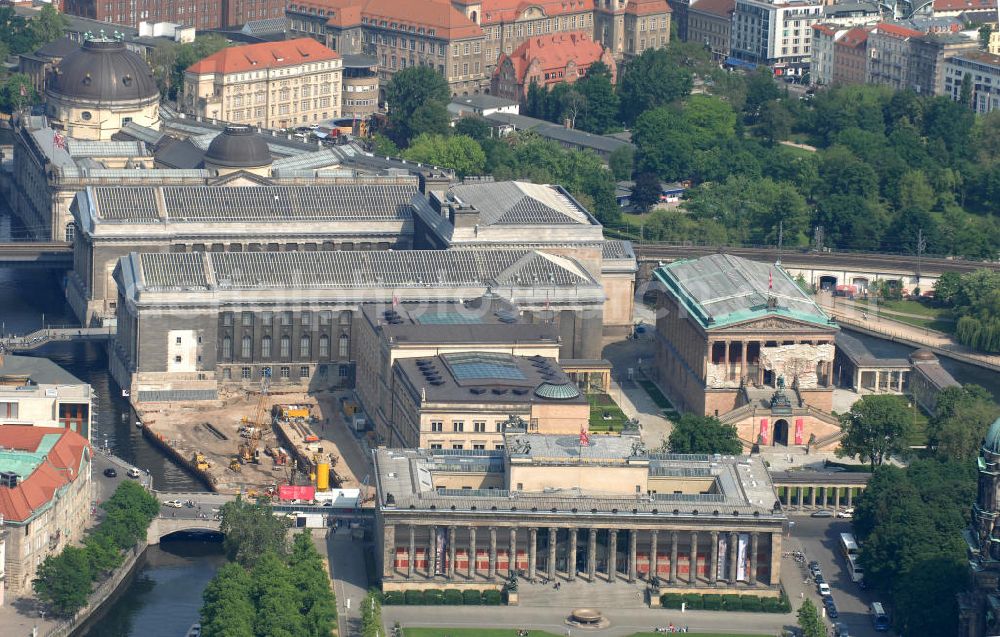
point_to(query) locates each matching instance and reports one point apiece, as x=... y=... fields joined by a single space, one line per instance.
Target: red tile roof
x=266 y=55
x=554 y=52
x=647 y=7
x=440 y=15
x=964 y=5
x=61 y=466
x=856 y=37
x=825 y=29
x=722 y=8
x=896 y=30
x=501 y=11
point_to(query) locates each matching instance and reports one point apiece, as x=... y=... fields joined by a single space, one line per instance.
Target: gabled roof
x=856 y=37
x=503 y=11
x=896 y=30
x=722 y=289
x=521 y=203
x=721 y=8
x=554 y=52
x=647 y=7
x=265 y=55
x=46 y=459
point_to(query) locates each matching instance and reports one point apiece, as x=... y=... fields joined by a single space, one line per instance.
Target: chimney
x=567 y=123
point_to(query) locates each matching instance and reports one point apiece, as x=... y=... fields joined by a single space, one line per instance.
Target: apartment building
x=928 y=55
x=850 y=57
x=710 y=23
x=983 y=70
x=777 y=34
x=270 y=85
x=203 y=14
x=824 y=35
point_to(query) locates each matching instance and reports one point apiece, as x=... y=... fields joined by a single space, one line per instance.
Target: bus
x=854 y=569
x=848 y=546
x=880 y=619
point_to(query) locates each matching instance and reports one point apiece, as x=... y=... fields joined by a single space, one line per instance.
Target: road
x=819 y=539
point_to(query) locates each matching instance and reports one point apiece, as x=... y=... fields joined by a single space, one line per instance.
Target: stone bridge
x=164 y=526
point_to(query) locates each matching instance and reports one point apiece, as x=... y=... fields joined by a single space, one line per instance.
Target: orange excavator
x=258 y=423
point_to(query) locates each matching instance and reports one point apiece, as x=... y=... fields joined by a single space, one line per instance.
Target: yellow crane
x=249 y=451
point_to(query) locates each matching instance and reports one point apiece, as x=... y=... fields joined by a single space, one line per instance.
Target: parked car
x=110 y=473
x=831 y=611
x=846 y=513
x=819 y=579
x=133 y=473
x=822 y=513
x=823 y=589
x=840 y=630
x=173 y=503
x=814 y=569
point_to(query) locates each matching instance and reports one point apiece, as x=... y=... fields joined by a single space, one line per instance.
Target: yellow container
x=323 y=476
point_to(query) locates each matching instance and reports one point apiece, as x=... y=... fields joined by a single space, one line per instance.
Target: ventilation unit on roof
x=9 y=479
x=506 y=316
x=437 y=383
x=478 y=391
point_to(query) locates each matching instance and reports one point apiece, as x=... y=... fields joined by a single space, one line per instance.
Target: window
x=435 y=445
x=70 y=231
x=324 y=346
x=325 y=317
x=178 y=340
x=304 y=372
x=343 y=346
x=344 y=371
x=245 y=373
x=286 y=318
x=246 y=347
x=345 y=317
x=478 y=446
x=458 y=425
x=305 y=347
x=286 y=372
x=479 y=427
x=177 y=359
x=306 y=318
x=227 y=318
x=286 y=346
x=265 y=347
x=458 y=446
x=499 y=426
x=437 y=425
x=247 y=319
x=227 y=348
x=8 y=410
x=227 y=374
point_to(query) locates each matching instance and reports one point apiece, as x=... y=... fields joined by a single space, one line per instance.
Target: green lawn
x=908 y=306
x=602 y=405
x=512 y=632
x=654 y=392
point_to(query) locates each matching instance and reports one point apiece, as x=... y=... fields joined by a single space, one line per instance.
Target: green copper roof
x=564 y=391
x=24 y=463
x=992 y=441
x=722 y=289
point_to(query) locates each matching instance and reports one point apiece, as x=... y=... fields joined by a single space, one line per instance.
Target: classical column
x=472 y=552
x=451 y=552
x=877 y=375
x=733 y=541
x=850 y=495
x=653 y=548
x=693 y=578
x=812 y=496
x=775 y=559
x=592 y=555
x=632 y=539
x=743 y=359
x=553 y=534
x=836 y=498
x=713 y=560
x=752 y=576
x=612 y=555
x=512 y=564
x=532 y=552
x=432 y=548
x=673 y=558
x=857 y=380
x=801 y=494
x=413 y=552
x=388 y=550
x=492 y=573
x=571 y=563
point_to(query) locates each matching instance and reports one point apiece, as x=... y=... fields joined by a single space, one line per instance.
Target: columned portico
x=553 y=535
x=612 y=555
x=592 y=555
x=571 y=562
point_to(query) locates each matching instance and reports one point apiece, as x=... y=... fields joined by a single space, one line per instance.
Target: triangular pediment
x=777 y=324
x=241 y=178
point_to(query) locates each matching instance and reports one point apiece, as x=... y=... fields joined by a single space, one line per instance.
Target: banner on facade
x=743 y=557
x=799 y=425
x=723 y=566
x=763 y=431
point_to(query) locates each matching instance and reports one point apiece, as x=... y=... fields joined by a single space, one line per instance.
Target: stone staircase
x=601 y=595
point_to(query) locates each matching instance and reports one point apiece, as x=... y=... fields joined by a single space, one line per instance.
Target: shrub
x=693 y=601
x=413 y=598
x=731 y=602
x=671 y=600
x=492 y=598
x=472 y=598
x=453 y=597
x=751 y=603
x=390 y=598
x=434 y=597
x=711 y=602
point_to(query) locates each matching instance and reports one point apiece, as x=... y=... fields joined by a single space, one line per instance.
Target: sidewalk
x=629 y=395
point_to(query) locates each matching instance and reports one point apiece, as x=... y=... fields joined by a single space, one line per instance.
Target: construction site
x=254 y=441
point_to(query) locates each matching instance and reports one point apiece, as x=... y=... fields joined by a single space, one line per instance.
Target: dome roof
x=563 y=391
x=238 y=147
x=923 y=355
x=104 y=70
x=992 y=441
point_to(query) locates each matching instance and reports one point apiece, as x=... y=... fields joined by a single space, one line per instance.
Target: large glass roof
x=483 y=366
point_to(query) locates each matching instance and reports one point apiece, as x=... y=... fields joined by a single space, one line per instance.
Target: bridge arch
x=162 y=527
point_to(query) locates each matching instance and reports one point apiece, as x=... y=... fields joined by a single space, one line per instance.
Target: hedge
x=715 y=601
x=450 y=597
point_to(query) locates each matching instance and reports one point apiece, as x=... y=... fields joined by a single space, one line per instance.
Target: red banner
x=289 y=492
x=763 y=431
x=798 y=430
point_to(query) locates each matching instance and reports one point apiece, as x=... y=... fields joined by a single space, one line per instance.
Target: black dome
x=238 y=147
x=104 y=70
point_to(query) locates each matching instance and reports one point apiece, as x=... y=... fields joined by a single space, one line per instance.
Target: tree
x=809 y=620
x=18 y=93
x=602 y=104
x=649 y=81
x=458 y=152
x=171 y=59
x=775 y=121
x=309 y=576
x=761 y=89
x=703 y=434
x=984 y=35
x=534 y=101
x=371 y=615
x=275 y=598
x=622 y=163
x=251 y=530
x=665 y=144
x=475 y=127
x=875 y=429
x=961 y=418
x=383 y=146
x=646 y=192
x=573 y=104
x=417 y=98
x=50 y=25
x=227 y=610
x=63 y=581
x=965 y=94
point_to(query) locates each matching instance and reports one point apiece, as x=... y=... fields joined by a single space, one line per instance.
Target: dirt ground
x=183 y=427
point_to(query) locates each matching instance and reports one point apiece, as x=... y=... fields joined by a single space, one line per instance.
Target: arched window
x=70 y=231
x=324 y=346
x=343 y=346
x=265 y=347
x=305 y=347
x=227 y=348
x=246 y=347
x=286 y=346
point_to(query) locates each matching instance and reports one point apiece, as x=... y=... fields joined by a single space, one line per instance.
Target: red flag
x=584 y=438
x=770 y=279
x=59 y=140
x=395 y=300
